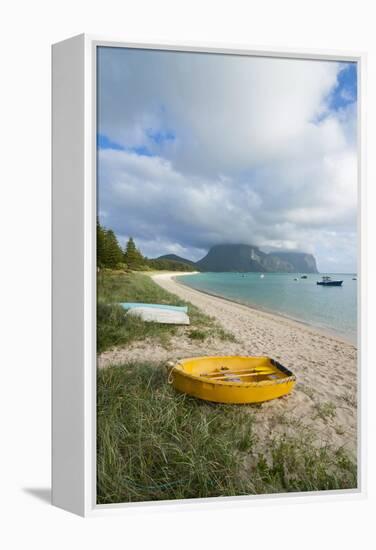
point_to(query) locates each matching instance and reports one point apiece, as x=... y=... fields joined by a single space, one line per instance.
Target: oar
x=247 y=369
x=241 y=371
x=229 y=374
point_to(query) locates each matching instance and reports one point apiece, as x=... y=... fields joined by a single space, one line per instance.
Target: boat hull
x=203 y=378
x=132 y=305
x=329 y=283
x=160 y=315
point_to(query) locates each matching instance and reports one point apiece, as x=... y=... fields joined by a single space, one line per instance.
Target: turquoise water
x=333 y=309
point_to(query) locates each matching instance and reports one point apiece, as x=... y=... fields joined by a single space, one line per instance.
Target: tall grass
x=298 y=465
x=115 y=328
x=153 y=444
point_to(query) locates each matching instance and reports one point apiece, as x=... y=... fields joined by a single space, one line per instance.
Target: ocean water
x=333 y=309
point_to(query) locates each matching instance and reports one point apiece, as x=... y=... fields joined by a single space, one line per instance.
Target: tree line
x=111 y=255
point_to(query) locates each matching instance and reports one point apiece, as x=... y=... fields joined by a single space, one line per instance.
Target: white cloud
x=258 y=156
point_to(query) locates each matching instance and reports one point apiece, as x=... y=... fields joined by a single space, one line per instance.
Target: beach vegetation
x=307 y=390
x=160 y=264
x=197 y=335
x=340 y=430
x=325 y=410
x=296 y=464
x=115 y=328
x=154 y=443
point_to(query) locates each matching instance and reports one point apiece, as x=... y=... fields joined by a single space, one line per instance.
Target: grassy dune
x=155 y=444
x=114 y=328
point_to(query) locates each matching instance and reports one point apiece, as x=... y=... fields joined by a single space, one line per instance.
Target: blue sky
x=345 y=91
x=103 y=142
x=198 y=149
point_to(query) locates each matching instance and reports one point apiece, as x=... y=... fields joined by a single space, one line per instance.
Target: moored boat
x=231 y=379
x=328 y=281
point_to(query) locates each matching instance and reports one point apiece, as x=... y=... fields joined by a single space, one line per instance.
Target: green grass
x=297 y=465
x=114 y=328
x=156 y=444
x=197 y=334
x=325 y=411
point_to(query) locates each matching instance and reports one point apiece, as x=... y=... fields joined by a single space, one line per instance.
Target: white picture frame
x=74 y=275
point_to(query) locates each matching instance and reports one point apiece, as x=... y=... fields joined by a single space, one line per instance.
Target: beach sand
x=325 y=396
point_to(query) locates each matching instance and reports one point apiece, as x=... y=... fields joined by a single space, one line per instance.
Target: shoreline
x=326 y=333
x=324 y=400
x=325 y=396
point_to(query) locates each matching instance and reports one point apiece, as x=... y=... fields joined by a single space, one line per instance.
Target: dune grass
x=156 y=444
x=115 y=328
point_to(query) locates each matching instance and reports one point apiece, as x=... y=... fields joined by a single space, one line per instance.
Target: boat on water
x=304 y=277
x=328 y=281
x=231 y=379
x=262 y=276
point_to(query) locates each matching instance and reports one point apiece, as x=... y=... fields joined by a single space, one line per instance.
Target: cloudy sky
x=201 y=149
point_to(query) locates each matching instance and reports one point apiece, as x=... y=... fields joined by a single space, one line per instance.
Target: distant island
x=237 y=258
x=245 y=258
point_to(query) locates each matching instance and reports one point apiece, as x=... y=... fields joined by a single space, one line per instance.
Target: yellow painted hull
x=232 y=379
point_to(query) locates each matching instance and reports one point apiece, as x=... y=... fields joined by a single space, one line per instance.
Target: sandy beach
x=325 y=395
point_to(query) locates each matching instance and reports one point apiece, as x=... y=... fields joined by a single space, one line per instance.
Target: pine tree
x=113 y=253
x=132 y=256
x=101 y=245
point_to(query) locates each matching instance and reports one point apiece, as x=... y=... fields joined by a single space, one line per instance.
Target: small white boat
x=262 y=276
x=131 y=305
x=160 y=315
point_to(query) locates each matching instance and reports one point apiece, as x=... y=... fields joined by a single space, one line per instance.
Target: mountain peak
x=247 y=258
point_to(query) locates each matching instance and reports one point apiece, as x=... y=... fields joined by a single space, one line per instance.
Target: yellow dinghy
x=231 y=379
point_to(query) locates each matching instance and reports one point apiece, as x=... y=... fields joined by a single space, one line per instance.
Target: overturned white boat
x=131 y=305
x=160 y=315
